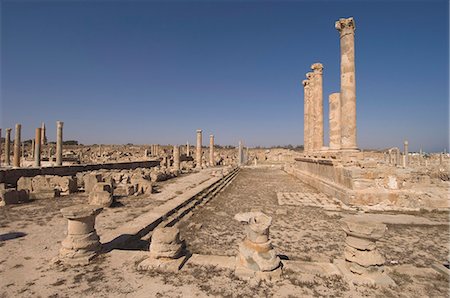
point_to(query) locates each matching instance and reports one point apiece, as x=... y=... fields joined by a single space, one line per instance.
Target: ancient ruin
x=232 y=217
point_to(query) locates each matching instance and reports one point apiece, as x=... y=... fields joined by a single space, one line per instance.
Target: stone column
x=82 y=243
x=0 y=147
x=318 y=104
x=32 y=148
x=212 y=161
x=59 y=141
x=306 y=115
x=240 y=154
x=406 y=153
x=176 y=157
x=16 y=160
x=187 y=149
x=43 y=135
x=346 y=28
x=311 y=110
x=8 y=147
x=198 y=152
x=37 y=148
x=335 y=121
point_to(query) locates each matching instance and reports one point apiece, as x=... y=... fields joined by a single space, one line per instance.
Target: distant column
x=37 y=148
x=32 y=147
x=240 y=154
x=335 y=121
x=0 y=147
x=176 y=157
x=16 y=160
x=346 y=28
x=198 y=152
x=187 y=149
x=318 y=103
x=406 y=153
x=43 y=135
x=59 y=141
x=8 y=147
x=212 y=162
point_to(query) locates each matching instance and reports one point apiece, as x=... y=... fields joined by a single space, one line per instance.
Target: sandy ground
x=31 y=235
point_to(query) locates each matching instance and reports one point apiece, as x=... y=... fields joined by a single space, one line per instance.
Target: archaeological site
x=196 y=215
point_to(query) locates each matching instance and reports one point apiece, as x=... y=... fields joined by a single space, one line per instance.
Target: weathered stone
x=10 y=196
x=90 y=180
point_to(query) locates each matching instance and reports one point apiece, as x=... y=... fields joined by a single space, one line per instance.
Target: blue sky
x=153 y=72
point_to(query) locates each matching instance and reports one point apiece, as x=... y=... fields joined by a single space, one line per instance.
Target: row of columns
x=342 y=106
x=198 y=150
x=38 y=142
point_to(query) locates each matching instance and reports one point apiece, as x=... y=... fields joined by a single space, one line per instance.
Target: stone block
x=25 y=183
x=11 y=196
x=100 y=198
x=90 y=180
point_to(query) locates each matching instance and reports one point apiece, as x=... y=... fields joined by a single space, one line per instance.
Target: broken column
x=16 y=160
x=8 y=147
x=212 y=162
x=167 y=251
x=176 y=157
x=43 y=135
x=198 y=152
x=187 y=149
x=335 y=121
x=317 y=101
x=346 y=28
x=37 y=148
x=256 y=257
x=363 y=263
x=59 y=141
x=82 y=243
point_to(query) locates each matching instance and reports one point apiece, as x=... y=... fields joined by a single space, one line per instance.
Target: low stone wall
x=11 y=176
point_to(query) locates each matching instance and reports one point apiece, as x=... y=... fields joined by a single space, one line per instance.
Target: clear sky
x=153 y=72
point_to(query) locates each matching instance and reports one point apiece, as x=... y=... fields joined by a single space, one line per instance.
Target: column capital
x=309 y=75
x=59 y=123
x=305 y=83
x=317 y=68
x=199 y=131
x=345 y=26
x=8 y=130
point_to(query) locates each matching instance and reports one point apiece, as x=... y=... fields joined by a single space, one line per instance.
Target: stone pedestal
x=37 y=148
x=363 y=263
x=82 y=243
x=198 y=150
x=167 y=251
x=17 y=142
x=59 y=141
x=8 y=147
x=257 y=258
x=346 y=28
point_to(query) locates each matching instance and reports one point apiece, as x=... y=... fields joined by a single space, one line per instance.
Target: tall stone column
x=240 y=154
x=8 y=147
x=318 y=103
x=212 y=161
x=406 y=153
x=335 y=121
x=187 y=149
x=346 y=28
x=176 y=157
x=37 y=148
x=311 y=110
x=16 y=160
x=198 y=152
x=306 y=115
x=59 y=141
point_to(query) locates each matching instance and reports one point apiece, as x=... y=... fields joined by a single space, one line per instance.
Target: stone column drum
x=257 y=258
x=176 y=157
x=335 y=121
x=82 y=243
x=8 y=147
x=198 y=151
x=59 y=141
x=318 y=104
x=212 y=161
x=16 y=160
x=346 y=28
x=37 y=148
x=363 y=263
x=311 y=111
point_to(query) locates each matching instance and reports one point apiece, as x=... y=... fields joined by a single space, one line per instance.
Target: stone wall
x=11 y=176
